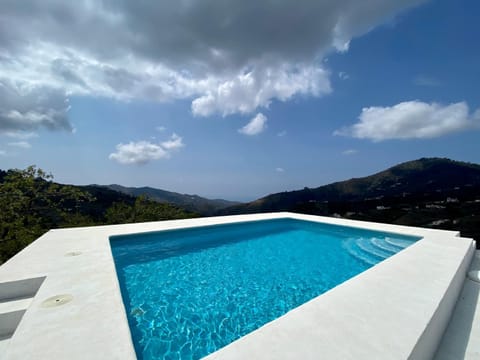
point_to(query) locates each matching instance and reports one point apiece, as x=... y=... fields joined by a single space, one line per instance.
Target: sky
x=236 y=99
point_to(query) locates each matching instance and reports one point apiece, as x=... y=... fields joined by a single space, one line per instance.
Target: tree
x=119 y=213
x=31 y=204
x=143 y=210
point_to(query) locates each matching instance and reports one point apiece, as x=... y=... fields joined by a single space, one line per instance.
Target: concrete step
x=15 y=298
x=14 y=305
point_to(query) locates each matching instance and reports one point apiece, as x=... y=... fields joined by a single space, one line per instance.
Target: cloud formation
x=141 y=152
x=175 y=142
x=255 y=126
x=227 y=56
x=25 y=108
x=20 y=144
x=412 y=120
x=245 y=93
x=21 y=135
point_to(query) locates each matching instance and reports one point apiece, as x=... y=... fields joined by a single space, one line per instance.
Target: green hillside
x=429 y=192
x=31 y=204
x=188 y=202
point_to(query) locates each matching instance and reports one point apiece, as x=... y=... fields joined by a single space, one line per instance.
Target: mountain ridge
x=370 y=186
x=428 y=192
x=188 y=202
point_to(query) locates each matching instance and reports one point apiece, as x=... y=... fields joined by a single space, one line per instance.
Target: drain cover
x=73 y=253
x=474 y=275
x=57 y=300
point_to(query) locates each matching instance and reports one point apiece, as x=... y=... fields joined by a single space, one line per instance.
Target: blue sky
x=236 y=99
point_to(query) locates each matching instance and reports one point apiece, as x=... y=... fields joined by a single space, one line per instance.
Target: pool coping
x=403 y=303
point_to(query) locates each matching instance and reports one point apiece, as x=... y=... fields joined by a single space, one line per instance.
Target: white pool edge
x=414 y=290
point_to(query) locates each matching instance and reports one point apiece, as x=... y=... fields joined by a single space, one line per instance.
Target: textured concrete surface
x=383 y=313
x=462 y=337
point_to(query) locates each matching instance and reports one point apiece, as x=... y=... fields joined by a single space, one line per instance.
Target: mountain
x=424 y=177
x=431 y=192
x=192 y=203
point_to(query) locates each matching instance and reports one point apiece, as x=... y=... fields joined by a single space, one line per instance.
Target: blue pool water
x=187 y=293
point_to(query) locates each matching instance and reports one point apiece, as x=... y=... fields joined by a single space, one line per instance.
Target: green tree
x=144 y=210
x=119 y=213
x=31 y=204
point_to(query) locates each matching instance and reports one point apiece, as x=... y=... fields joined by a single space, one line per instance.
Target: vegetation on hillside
x=31 y=204
x=429 y=192
x=188 y=202
x=436 y=193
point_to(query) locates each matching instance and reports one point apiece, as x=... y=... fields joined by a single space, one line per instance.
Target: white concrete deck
x=398 y=309
x=461 y=340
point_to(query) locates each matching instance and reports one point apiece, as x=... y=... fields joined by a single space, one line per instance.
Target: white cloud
x=279 y=169
x=20 y=144
x=282 y=133
x=21 y=135
x=175 y=142
x=343 y=75
x=246 y=92
x=3 y=153
x=412 y=120
x=141 y=152
x=160 y=128
x=222 y=54
x=255 y=126
x=349 y=152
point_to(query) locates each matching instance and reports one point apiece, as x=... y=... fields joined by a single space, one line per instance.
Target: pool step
x=401 y=243
x=369 y=246
x=374 y=250
x=382 y=244
x=360 y=254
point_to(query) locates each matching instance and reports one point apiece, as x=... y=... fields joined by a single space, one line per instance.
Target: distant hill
x=419 y=177
x=431 y=192
x=192 y=203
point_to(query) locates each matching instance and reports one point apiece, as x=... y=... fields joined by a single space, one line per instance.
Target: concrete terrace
x=60 y=298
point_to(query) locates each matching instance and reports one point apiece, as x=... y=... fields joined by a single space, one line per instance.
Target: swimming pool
x=189 y=292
